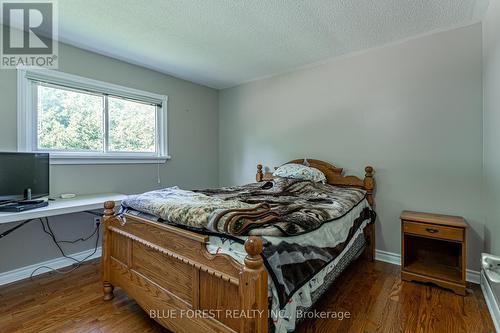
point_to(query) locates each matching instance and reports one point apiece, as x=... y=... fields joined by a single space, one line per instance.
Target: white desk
x=64 y=206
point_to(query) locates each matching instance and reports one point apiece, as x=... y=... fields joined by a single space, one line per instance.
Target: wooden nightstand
x=433 y=249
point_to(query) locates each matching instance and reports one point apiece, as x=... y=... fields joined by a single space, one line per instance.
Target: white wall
x=491 y=86
x=412 y=110
x=192 y=134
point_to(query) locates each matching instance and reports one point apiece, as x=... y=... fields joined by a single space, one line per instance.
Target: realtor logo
x=29 y=34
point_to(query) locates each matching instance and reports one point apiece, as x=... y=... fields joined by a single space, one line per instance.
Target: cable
x=71 y=241
x=51 y=234
x=158 y=179
x=80 y=239
x=5 y=233
x=75 y=266
x=48 y=230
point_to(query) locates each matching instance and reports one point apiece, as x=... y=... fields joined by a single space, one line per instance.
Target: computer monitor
x=22 y=171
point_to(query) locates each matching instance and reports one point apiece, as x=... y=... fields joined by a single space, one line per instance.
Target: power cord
x=51 y=233
x=48 y=230
x=78 y=262
x=80 y=239
x=5 y=233
x=53 y=237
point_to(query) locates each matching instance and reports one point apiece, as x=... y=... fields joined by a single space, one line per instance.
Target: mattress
x=285 y=319
x=286 y=315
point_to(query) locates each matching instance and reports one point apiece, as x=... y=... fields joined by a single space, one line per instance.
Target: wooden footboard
x=171 y=275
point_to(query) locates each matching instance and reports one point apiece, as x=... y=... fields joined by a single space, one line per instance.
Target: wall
x=491 y=87
x=192 y=139
x=415 y=109
x=412 y=110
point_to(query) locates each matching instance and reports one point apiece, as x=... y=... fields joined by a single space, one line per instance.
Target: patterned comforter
x=279 y=209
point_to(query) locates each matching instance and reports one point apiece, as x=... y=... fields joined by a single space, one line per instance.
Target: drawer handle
x=432 y=231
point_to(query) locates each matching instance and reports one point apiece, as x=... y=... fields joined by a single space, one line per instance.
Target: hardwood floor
x=373 y=294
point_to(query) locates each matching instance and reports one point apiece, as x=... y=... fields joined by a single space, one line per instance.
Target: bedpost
x=107 y=287
x=260 y=175
x=253 y=288
x=369 y=185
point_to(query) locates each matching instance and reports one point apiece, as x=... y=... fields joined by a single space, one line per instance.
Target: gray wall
x=491 y=87
x=412 y=110
x=192 y=134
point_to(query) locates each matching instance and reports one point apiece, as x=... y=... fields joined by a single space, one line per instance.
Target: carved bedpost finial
x=369 y=171
x=253 y=247
x=369 y=184
x=109 y=208
x=260 y=175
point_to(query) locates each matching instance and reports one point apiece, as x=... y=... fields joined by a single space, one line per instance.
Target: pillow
x=299 y=171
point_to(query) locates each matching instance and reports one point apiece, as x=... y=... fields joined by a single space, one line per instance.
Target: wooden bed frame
x=170 y=274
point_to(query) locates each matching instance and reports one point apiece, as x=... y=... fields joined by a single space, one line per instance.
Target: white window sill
x=58 y=159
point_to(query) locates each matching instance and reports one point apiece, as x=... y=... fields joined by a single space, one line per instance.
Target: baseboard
x=491 y=302
x=25 y=272
x=473 y=276
x=395 y=259
x=389 y=257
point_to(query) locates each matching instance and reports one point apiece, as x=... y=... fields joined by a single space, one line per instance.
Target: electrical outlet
x=97 y=221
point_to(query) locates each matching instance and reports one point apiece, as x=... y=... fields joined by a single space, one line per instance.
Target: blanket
x=197 y=210
x=277 y=210
x=281 y=207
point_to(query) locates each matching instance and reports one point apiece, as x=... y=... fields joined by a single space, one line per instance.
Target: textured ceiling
x=222 y=43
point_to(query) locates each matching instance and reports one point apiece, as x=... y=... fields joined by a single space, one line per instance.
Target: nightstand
x=433 y=249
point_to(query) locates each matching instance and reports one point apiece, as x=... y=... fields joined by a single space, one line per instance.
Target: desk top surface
x=64 y=206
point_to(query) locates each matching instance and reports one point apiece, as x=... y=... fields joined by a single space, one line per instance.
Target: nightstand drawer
x=434 y=231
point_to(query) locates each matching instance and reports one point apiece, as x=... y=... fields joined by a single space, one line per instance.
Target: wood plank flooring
x=373 y=293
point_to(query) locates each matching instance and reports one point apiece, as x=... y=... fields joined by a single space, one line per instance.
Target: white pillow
x=299 y=171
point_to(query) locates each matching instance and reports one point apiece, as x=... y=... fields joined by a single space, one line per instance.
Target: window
x=80 y=121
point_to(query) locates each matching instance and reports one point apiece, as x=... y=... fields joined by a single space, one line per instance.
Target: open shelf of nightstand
x=449 y=273
x=433 y=257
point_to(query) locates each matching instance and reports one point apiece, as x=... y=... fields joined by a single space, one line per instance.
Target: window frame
x=27 y=132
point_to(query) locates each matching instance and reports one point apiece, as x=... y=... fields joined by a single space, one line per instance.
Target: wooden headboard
x=333 y=176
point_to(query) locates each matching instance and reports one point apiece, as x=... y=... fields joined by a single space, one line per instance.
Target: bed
x=192 y=282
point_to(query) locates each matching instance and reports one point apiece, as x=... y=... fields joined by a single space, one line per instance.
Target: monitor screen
x=20 y=171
